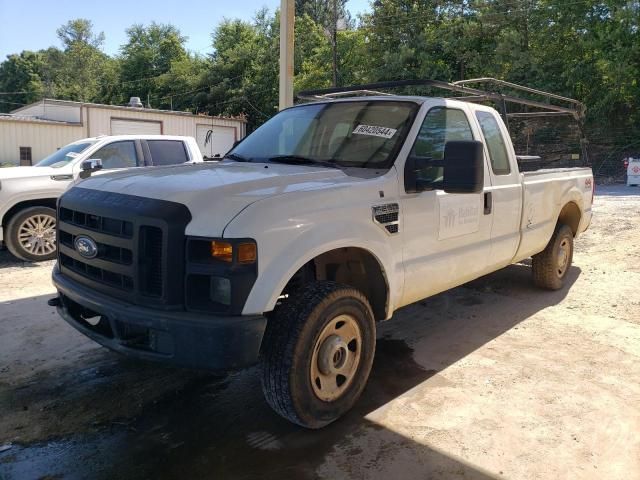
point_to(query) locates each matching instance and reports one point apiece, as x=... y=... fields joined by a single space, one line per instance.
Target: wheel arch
x=353 y=266
x=49 y=202
x=356 y=266
x=570 y=215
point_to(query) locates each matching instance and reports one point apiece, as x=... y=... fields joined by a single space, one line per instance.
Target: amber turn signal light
x=247 y=252
x=222 y=251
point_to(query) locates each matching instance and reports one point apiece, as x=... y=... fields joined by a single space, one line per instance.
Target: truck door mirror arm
x=413 y=166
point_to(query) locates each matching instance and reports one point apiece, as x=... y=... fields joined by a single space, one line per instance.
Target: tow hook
x=54 y=302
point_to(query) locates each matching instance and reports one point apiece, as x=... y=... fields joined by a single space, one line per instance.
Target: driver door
x=117 y=155
x=447 y=236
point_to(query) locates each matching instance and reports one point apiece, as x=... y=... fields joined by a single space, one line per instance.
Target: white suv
x=28 y=194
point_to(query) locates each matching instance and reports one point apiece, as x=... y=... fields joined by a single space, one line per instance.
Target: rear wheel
x=31 y=234
x=550 y=266
x=317 y=354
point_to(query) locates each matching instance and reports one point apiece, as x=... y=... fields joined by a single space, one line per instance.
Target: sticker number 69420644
x=375 y=131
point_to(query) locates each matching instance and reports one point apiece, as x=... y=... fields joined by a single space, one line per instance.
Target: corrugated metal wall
x=43 y=138
x=100 y=121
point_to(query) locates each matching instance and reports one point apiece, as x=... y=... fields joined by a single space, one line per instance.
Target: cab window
x=495 y=143
x=167 y=152
x=118 y=155
x=441 y=125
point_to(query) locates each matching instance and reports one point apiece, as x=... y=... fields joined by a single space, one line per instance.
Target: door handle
x=488 y=203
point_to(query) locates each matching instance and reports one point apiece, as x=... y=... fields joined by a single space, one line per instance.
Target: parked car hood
x=216 y=193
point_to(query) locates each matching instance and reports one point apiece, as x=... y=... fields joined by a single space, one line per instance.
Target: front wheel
x=317 y=354
x=31 y=234
x=550 y=267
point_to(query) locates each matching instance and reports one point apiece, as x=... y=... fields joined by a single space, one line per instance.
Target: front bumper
x=176 y=337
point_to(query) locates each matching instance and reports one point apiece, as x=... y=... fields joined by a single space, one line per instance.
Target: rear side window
x=495 y=143
x=441 y=125
x=167 y=152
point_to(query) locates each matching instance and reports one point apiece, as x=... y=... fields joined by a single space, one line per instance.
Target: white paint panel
x=133 y=127
x=219 y=142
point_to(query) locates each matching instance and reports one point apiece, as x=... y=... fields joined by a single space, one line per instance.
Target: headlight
x=219 y=274
x=220 y=290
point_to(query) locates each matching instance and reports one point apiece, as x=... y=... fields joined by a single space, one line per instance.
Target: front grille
x=117 y=280
x=112 y=266
x=151 y=264
x=133 y=236
x=97 y=223
x=120 y=255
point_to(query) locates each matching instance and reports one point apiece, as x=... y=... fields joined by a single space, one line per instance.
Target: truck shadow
x=194 y=424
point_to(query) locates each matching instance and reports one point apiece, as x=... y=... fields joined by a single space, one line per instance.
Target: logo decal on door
x=459 y=215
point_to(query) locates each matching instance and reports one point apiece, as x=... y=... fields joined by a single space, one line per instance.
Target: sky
x=32 y=24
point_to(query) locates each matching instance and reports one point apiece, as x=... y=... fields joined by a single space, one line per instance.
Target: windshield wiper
x=237 y=158
x=300 y=160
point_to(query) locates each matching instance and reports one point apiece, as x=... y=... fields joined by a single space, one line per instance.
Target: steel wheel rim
x=336 y=357
x=37 y=235
x=564 y=251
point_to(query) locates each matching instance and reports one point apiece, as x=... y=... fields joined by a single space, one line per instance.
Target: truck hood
x=30 y=172
x=216 y=193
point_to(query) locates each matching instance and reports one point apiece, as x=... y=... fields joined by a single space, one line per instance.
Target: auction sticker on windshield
x=375 y=131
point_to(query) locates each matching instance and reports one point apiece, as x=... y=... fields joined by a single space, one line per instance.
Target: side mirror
x=87 y=167
x=463 y=167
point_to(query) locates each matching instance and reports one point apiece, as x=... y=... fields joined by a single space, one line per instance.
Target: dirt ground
x=494 y=379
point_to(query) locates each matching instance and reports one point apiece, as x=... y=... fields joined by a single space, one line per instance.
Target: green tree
x=322 y=12
x=243 y=70
x=80 y=73
x=21 y=79
x=147 y=57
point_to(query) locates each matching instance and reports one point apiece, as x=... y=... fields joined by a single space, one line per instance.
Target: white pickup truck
x=329 y=217
x=28 y=194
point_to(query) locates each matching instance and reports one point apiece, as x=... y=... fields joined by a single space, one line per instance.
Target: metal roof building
x=30 y=133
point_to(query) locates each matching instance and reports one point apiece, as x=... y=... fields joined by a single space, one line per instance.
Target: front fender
x=286 y=244
x=283 y=264
x=10 y=199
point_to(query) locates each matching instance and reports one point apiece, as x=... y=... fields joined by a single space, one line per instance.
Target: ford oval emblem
x=86 y=246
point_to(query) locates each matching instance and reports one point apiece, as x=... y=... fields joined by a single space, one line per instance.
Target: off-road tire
x=546 y=266
x=12 y=233
x=289 y=344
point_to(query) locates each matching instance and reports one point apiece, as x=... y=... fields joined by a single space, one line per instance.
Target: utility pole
x=287 y=19
x=334 y=43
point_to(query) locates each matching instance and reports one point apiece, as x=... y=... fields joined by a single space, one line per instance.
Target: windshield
x=355 y=134
x=63 y=156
